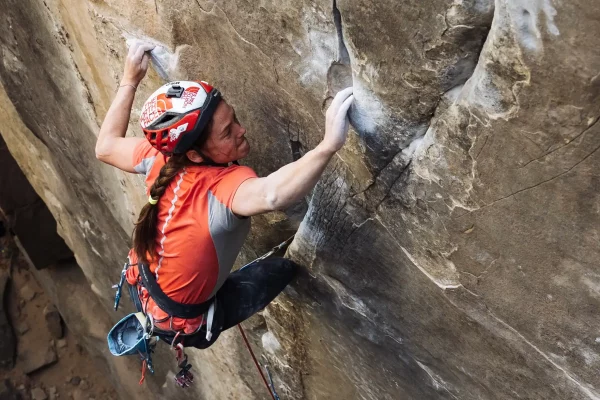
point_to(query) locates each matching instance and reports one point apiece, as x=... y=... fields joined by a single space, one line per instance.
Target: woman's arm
x=112 y=146
x=292 y=182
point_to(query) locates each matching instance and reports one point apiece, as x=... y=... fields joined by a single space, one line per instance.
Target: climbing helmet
x=174 y=117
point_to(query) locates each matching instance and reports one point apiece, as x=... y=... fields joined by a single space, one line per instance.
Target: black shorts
x=244 y=293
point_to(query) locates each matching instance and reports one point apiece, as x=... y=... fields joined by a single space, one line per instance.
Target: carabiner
x=119 y=286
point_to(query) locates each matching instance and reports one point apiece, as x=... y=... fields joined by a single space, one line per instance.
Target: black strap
x=167 y=304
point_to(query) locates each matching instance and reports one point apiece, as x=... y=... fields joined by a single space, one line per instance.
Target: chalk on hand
x=161 y=59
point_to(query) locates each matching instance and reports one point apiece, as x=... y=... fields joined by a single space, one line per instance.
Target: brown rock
x=75 y=381
x=22 y=327
x=79 y=394
x=53 y=321
x=27 y=292
x=52 y=393
x=38 y=394
x=35 y=357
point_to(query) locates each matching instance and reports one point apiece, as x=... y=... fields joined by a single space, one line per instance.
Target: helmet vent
x=166 y=120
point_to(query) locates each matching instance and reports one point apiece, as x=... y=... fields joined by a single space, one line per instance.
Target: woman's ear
x=193 y=156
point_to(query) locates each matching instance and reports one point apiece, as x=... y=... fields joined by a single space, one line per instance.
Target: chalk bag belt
x=168 y=305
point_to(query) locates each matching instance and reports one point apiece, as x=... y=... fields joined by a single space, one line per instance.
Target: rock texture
x=451 y=248
x=8 y=342
x=28 y=217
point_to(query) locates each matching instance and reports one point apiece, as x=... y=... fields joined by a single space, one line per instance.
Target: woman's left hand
x=136 y=63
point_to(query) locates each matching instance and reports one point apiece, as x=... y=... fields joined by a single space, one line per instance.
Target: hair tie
x=151 y=200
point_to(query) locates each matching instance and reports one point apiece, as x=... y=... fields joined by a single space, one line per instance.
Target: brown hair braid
x=144 y=233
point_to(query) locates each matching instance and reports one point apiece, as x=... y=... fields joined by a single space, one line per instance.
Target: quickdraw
x=119 y=286
x=184 y=377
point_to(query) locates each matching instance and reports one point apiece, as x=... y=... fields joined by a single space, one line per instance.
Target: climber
x=192 y=228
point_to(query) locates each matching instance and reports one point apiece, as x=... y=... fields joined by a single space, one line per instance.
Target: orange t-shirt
x=199 y=236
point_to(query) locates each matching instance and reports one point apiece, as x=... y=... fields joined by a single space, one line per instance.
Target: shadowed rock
x=8 y=342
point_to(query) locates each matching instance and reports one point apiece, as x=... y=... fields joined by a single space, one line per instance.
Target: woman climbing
x=191 y=230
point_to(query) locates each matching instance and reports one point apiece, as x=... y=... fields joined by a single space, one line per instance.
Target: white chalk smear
x=443 y=282
x=367 y=113
x=526 y=16
x=347 y=298
x=436 y=380
x=163 y=61
x=270 y=342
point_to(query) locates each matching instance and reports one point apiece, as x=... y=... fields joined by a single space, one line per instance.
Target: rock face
x=29 y=219
x=451 y=248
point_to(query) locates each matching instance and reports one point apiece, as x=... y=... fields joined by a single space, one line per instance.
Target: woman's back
x=198 y=235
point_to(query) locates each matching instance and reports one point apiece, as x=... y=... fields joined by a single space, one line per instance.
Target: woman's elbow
x=102 y=152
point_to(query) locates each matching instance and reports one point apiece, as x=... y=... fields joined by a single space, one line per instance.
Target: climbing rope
x=270 y=388
x=274 y=250
x=271 y=252
x=256 y=363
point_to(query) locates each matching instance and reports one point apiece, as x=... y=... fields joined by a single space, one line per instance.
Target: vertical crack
x=343 y=55
x=295 y=144
x=339 y=75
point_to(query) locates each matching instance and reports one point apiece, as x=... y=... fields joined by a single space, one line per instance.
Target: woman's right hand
x=136 y=63
x=336 y=120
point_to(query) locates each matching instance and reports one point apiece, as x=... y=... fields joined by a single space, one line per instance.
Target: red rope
x=255 y=362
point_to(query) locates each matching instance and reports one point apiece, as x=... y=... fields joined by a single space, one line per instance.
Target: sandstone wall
x=451 y=248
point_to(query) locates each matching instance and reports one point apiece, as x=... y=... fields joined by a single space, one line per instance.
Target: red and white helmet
x=175 y=115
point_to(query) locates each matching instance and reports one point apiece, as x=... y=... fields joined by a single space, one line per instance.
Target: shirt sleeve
x=228 y=181
x=144 y=156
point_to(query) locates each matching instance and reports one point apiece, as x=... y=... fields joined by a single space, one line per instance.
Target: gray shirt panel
x=228 y=233
x=145 y=165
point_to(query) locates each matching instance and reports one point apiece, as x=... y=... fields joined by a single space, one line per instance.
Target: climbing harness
x=137 y=334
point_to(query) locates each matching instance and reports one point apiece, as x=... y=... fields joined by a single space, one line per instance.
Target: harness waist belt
x=168 y=305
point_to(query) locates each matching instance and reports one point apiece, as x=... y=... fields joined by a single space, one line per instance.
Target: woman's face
x=226 y=141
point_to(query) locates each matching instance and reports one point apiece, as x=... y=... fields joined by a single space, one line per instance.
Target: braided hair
x=146 y=229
